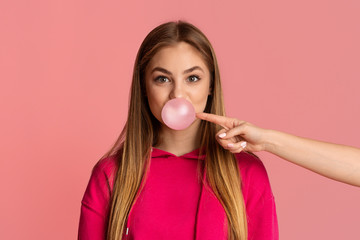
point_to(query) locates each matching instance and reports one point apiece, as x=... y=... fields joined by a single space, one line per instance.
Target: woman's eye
x=161 y=79
x=194 y=78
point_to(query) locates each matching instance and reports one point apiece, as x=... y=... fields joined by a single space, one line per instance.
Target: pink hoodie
x=174 y=204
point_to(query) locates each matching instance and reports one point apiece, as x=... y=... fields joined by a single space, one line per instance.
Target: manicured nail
x=243 y=144
x=222 y=135
x=230 y=145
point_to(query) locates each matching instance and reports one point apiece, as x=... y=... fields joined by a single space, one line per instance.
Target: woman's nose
x=177 y=91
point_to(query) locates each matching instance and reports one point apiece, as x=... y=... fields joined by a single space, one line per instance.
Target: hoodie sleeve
x=95 y=202
x=259 y=199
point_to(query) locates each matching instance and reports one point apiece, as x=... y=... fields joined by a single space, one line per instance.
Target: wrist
x=270 y=143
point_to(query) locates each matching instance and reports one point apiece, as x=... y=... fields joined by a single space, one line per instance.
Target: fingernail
x=222 y=135
x=230 y=145
x=243 y=144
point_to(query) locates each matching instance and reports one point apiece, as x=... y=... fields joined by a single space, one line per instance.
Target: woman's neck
x=179 y=142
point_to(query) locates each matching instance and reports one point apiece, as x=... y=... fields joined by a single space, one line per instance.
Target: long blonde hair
x=140 y=133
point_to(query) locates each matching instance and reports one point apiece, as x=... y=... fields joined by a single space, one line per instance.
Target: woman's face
x=177 y=71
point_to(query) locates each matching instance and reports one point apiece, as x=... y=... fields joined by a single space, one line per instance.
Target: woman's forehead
x=178 y=56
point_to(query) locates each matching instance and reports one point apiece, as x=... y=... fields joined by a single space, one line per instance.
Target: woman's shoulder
x=249 y=163
x=106 y=165
x=105 y=170
x=253 y=173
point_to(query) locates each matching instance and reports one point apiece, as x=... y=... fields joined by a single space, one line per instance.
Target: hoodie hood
x=194 y=155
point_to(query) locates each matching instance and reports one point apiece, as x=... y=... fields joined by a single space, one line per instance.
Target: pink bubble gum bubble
x=178 y=113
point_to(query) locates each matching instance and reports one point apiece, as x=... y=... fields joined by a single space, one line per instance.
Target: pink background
x=65 y=70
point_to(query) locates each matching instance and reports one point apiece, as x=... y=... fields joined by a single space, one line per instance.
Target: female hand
x=236 y=135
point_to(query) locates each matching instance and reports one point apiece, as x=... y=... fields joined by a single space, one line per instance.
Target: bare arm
x=338 y=162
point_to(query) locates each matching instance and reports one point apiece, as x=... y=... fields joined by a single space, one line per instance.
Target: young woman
x=160 y=183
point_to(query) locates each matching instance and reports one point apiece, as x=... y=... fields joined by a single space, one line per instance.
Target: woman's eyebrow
x=193 y=69
x=163 y=70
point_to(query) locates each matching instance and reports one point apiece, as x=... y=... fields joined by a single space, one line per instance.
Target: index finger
x=225 y=122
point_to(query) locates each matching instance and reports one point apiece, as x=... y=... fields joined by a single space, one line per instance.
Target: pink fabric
x=175 y=205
